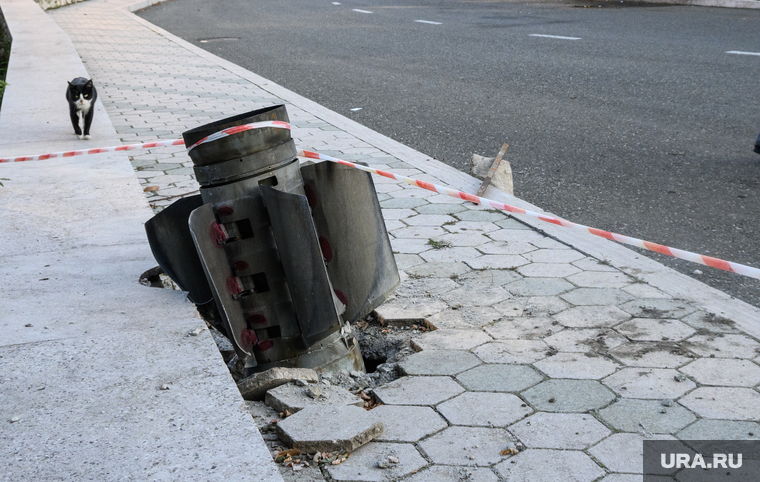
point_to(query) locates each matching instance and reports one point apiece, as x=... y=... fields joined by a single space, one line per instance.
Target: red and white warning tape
x=237 y=129
x=99 y=150
x=676 y=253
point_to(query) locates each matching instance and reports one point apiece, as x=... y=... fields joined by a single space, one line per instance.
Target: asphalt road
x=641 y=124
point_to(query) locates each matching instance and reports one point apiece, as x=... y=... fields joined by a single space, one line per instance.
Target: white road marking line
x=428 y=21
x=356 y=109
x=336 y=3
x=360 y=11
x=554 y=36
x=737 y=52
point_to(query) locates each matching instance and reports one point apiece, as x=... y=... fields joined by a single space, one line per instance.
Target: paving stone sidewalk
x=538 y=345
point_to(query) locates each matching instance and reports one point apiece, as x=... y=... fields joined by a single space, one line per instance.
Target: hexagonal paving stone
x=629 y=415
x=403 y=423
x=517 y=235
x=710 y=323
x=466 y=446
x=568 y=395
x=511 y=308
x=439 y=270
x=328 y=428
x=362 y=464
x=404 y=261
x=724 y=403
x=450 y=339
x=658 y=308
x=499 y=378
x=424 y=287
x=465 y=255
x=484 y=409
x=576 y=365
x=707 y=429
x=483 y=215
x=438 y=362
x=402 y=203
x=647 y=329
x=491 y=261
x=651 y=383
x=554 y=256
x=623 y=452
x=440 y=208
x=428 y=220
x=421 y=232
x=584 y=340
x=488 y=277
x=398 y=214
x=504 y=247
x=723 y=346
x=544 y=464
x=596 y=296
x=472 y=317
x=539 y=287
x=410 y=308
x=547 y=270
x=598 y=279
x=537 y=305
x=655 y=355
x=726 y=372
x=559 y=431
x=418 y=391
x=472 y=296
x=463 y=238
x=630 y=478
x=527 y=327
x=591 y=316
x=642 y=290
x=512 y=223
x=445 y=473
x=591 y=264
x=512 y=351
x=410 y=246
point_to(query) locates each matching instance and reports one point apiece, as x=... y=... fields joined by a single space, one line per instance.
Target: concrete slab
x=592 y=317
x=645 y=329
x=294 y=398
x=655 y=355
x=329 y=429
x=584 y=340
x=256 y=386
x=623 y=452
x=512 y=351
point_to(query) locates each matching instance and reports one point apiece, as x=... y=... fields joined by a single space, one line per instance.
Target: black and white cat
x=81 y=95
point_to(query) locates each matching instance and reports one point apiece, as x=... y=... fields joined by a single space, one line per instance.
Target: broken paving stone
x=256 y=386
x=329 y=429
x=294 y=398
x=375 y=462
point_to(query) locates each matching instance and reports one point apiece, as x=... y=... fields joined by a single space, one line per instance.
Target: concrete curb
x=101 y=380
x=617 y=255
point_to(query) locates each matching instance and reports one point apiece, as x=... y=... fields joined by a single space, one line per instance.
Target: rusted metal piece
x=492 y=171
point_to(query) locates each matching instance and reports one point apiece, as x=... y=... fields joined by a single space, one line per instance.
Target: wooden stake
x=492 y=171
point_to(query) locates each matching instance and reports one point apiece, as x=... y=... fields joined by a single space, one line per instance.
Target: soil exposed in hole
x=383 y=343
